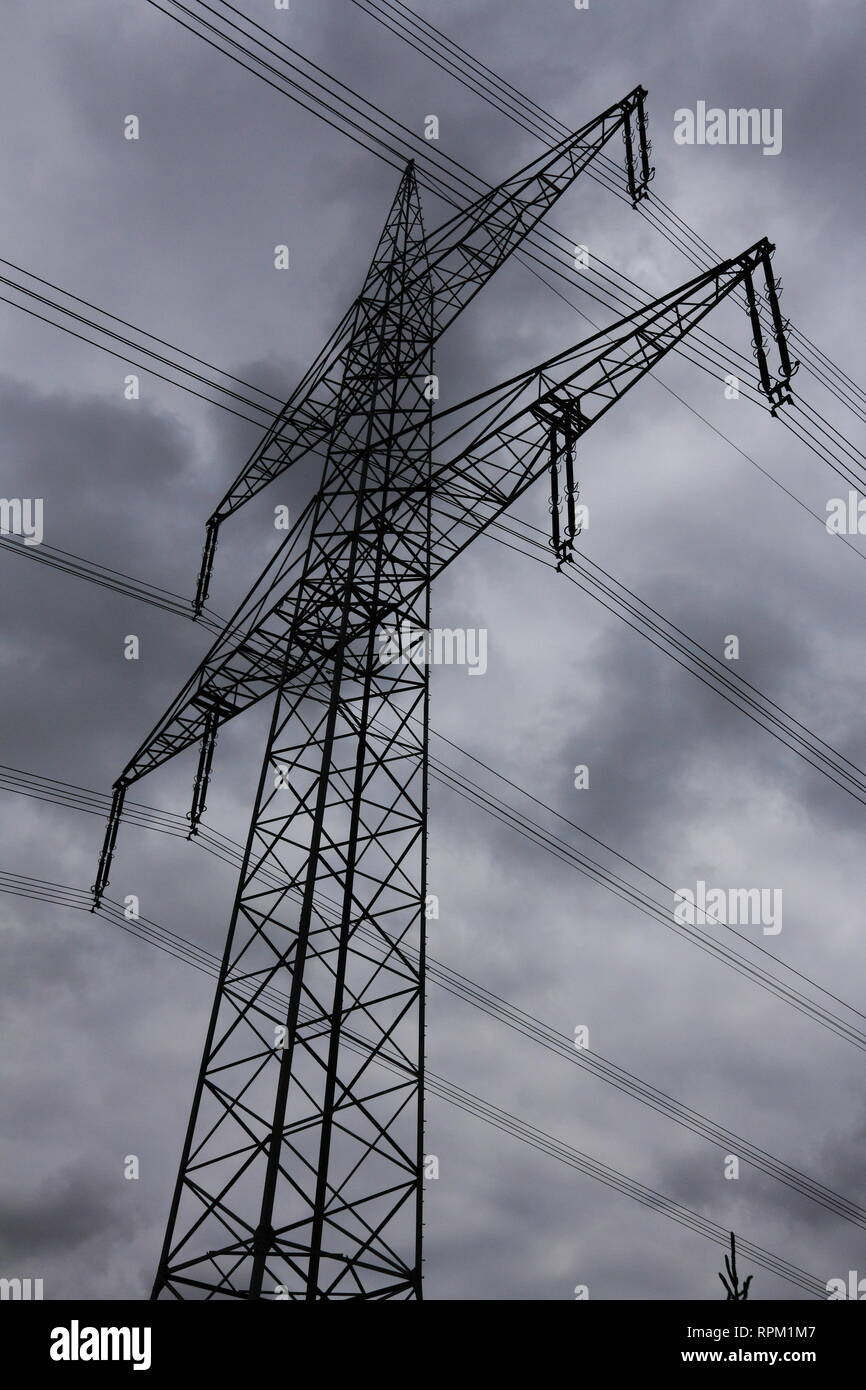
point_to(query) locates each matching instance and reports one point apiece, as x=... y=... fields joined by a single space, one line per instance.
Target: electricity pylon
x=301 y=1171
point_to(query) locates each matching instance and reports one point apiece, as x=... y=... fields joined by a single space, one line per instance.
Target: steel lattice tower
x=285 y=1112
x=302 y=1168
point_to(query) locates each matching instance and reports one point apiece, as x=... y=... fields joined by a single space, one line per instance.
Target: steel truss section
x=301 y=1173
x=302 y=1167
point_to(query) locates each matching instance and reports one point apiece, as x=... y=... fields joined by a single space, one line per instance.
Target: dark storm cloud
x=63 y=1215
x=176 y=233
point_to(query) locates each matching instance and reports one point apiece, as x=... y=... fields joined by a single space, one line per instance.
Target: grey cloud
x=176 y=234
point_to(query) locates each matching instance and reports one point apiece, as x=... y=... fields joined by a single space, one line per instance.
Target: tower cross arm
x=460 y=257
x=511 y=434
x=492 y=448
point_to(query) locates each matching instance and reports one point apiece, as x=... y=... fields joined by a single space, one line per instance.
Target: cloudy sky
x=175 y=232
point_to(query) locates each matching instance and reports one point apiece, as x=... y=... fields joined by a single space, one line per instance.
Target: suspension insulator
x=105 y=858
x=202 y=777
x=563 y=487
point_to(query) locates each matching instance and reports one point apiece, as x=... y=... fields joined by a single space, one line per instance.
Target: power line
x=620 y=604
x=699 y=663
x=437 y=182
x=229 y=851
x=77 y=567
x=339 y=1089
x=200 y=959
x=226 y=849
x=691 y=656
x=56 y=306
x=139 y=343
x=451 y=57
